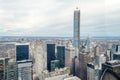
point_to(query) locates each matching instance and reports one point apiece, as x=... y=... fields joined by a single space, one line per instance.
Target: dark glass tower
x=22 y=52
x=50 y=55
x=61 y=55
x=55 y=64
x=76 y=31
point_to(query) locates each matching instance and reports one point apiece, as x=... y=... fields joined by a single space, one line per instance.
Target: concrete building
x=12 y=71
x=93 y=72
x=40 y=61
x=88 y=45
x=3 y=65
x=72 y=78
x=7 y=49
x=97 y=51
x=111 y=70
x=25 y=70
x=59 y=74
x=100 y=60
x=113 y=51
x=84 y=58
x=108 y=53
x=77 y=31
x=69 y=56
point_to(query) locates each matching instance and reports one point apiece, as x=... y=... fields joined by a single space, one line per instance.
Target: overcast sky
x=55 y=17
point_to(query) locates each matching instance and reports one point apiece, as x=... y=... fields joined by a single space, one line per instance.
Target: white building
x=59 y=74
x=100 y=60
x=25 y=70
x=93 y=72
x=69 y=55
x=72 y=78
x=40 y=61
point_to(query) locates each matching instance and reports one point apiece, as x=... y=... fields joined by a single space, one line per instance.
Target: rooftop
x=72 y=78
x=57 y=72
x=22 y=43
x=113 y=62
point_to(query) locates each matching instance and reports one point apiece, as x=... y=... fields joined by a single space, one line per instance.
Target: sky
x=55 y=17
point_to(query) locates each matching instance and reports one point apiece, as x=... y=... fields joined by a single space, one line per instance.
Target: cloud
x=55 y=17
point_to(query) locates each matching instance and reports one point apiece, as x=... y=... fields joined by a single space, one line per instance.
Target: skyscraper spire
x=77 y=8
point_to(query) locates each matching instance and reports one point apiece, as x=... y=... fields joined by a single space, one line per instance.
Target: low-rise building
x=57 y=74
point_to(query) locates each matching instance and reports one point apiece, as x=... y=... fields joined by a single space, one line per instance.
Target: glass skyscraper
x=61 y=55
x=22 y=52
x=50 y=55
x=76 y=31
x=55 y=64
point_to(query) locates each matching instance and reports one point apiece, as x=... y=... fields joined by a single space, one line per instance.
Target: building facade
x=72 y=78
x=59 y=74
x=61 y=55
x=77 y=31
x=84 y=58
x=111 y=70
x=25 y=70
x=12 y=71
x=22 y=51
x=69 y=56
x=3 y=65
x=50 y=55
x=93 y=72
x=55 y=64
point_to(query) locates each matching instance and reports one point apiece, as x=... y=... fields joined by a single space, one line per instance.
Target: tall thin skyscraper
x=77 y=31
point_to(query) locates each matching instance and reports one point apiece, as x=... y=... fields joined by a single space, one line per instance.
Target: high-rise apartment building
x=72 y=78
x=25 y=70
x=97 y=51
x=40 y=61
x=61 y=55
x=84 y=58
x=22 y=51
x=50 y=55
x=69 y=56
x=59 y=74
x=12 y=71
x=3 y=64
x=117 y=48
x=93 y=72
x=77 y=31
x=55 y=64
x=100 y=60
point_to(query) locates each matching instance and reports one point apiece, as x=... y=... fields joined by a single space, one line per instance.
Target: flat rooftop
x=72 y=78
x=113 y=62
x=21 y=44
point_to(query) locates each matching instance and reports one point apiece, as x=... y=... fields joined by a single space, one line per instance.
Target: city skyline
x=55 y=18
